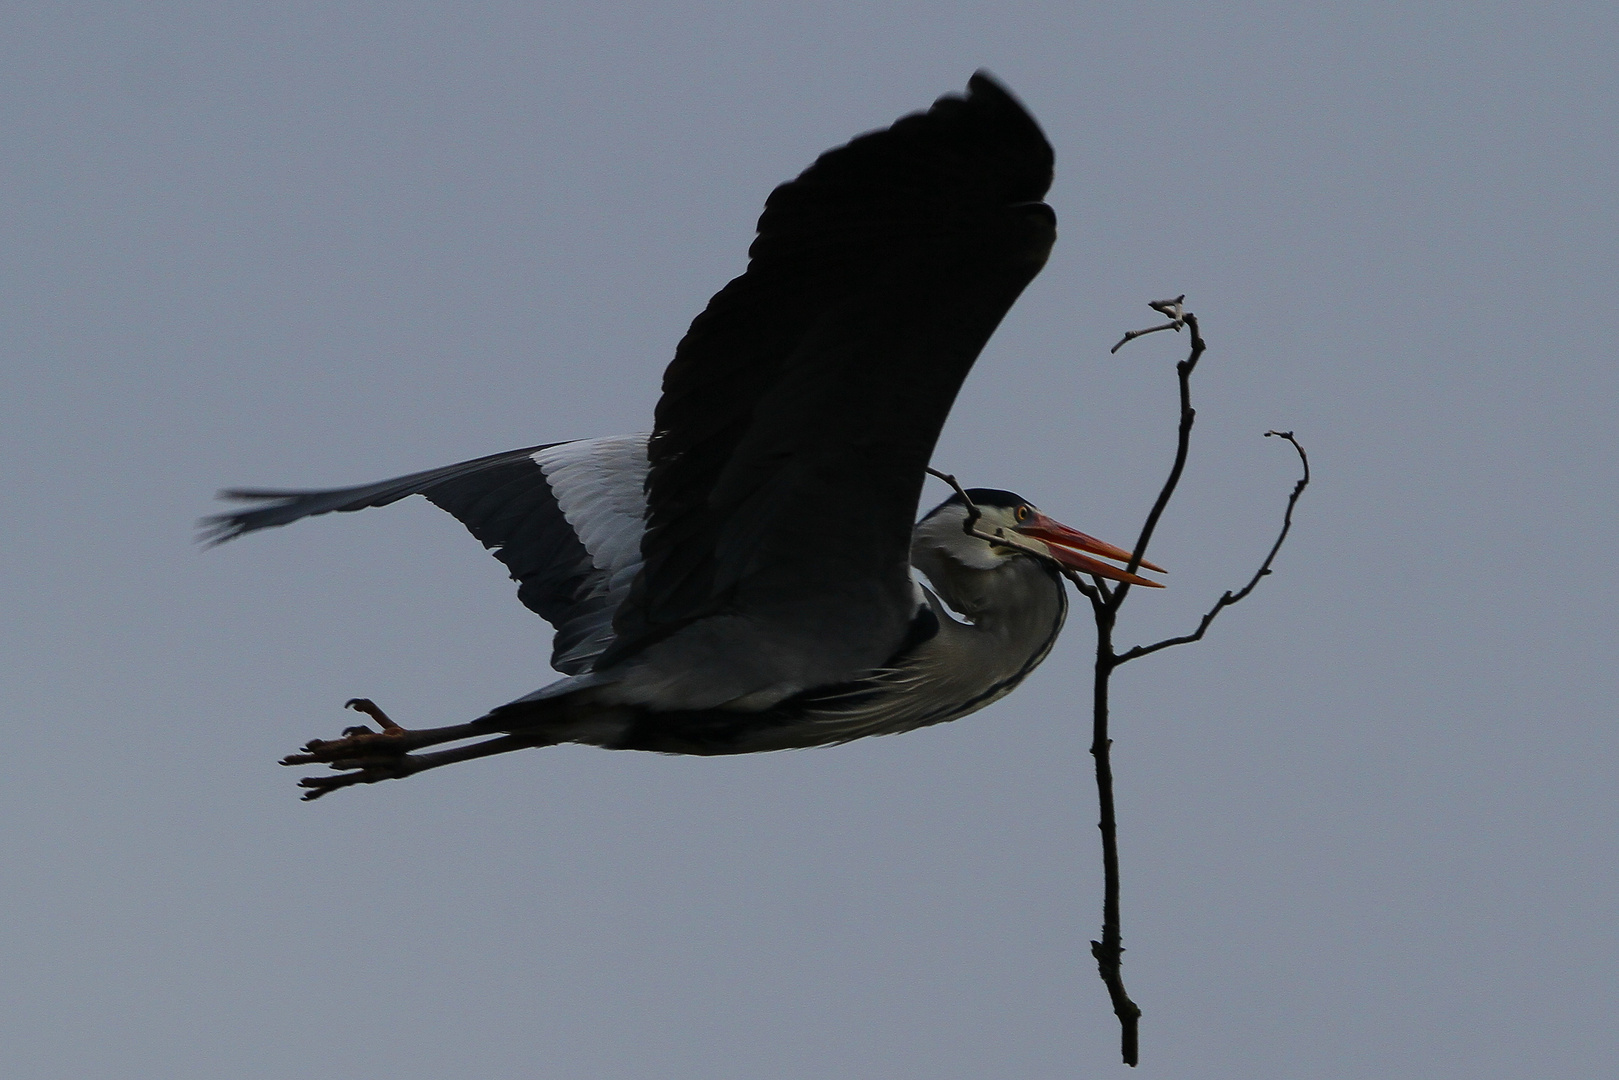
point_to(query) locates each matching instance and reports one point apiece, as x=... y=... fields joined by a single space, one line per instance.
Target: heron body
x=747 y=576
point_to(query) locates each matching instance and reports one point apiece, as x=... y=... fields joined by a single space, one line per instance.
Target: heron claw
x=374 y=755
x=369 y=707
x=360 y=771
x=364 y=756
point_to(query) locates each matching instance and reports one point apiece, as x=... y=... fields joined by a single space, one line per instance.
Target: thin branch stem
x=1171 y=308
x=1105 y=602
x=1183 y=443
x=1109 y=952
x=1093 y=593
x=970 y=524
x=1229 y=598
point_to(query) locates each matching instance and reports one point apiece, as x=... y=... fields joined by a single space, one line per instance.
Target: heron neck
x=1013 y=611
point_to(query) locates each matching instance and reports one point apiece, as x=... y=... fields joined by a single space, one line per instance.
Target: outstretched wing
x=802 y=407
x=566 y=519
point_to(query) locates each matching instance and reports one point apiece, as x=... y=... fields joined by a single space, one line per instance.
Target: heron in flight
x=747 y=576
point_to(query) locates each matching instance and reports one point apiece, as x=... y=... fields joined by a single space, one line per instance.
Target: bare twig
x=970 y=524
x=973 y=512
x=1092 y=592
x=1183 y=443
x=1172 y=308
x=1105 y=604
x=1229 y=598
x=1109 y=952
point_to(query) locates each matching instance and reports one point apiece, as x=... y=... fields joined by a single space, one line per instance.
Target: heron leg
x=397 y=765
x=361 y=741
x=369 y=756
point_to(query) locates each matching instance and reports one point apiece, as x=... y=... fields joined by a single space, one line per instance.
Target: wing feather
x=566 y=519
x=802 y=407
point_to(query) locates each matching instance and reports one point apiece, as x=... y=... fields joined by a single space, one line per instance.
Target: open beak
x=1069 y=548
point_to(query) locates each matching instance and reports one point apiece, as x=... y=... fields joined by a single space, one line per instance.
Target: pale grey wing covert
x=565 y=518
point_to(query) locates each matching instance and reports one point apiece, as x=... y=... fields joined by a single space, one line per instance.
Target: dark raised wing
x=802 y=407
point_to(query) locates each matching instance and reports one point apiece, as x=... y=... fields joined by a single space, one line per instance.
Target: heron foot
x=361 y=755
x=364 y=756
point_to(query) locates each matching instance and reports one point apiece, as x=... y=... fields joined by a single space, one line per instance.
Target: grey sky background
x=1368 y=827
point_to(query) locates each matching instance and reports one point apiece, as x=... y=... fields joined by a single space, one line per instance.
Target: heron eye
x=1023 y=513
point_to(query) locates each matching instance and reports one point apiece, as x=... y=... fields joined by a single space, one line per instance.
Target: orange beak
x=1069 y=547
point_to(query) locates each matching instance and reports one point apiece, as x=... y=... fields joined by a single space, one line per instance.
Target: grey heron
x=747 y=576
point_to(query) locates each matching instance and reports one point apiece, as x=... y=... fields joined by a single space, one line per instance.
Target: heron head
x=1010 y=526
